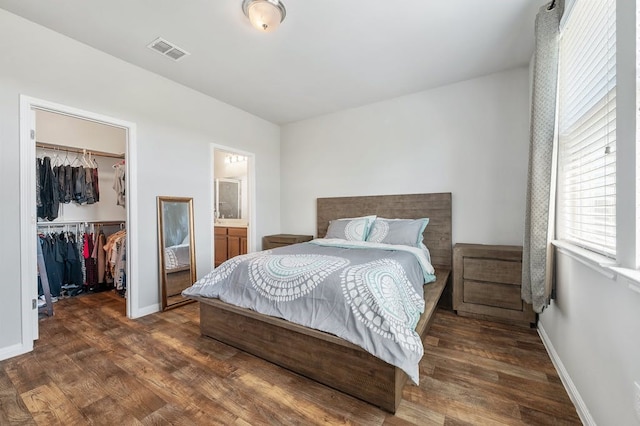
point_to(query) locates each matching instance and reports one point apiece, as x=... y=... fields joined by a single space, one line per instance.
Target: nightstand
x=280 y=240
x=487 y=283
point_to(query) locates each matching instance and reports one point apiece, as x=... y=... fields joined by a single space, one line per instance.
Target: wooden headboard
x=437 y=207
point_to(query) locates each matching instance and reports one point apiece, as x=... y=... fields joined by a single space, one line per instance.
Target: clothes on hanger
x=100 y=257
x=49 y=192
x=89 y=262
x=116 y=260
x=84 y=261
x=62 y=262
x=119 y=183
x=64 y=183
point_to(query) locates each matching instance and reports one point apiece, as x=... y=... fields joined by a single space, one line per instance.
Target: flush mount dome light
x=265 y=15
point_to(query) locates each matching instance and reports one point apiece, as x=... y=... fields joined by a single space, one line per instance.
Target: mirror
x=227 y=194
x=176 y=249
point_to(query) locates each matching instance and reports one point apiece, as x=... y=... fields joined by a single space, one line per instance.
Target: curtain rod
x=45 y=145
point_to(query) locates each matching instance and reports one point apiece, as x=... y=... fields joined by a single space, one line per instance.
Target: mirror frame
x=161 y=260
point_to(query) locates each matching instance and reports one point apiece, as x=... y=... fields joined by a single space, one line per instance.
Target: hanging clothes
x=49 y=191
x=62 y=263
x=116 y=250
x=38 y=184
x=60 y=175
x=96 y=186
x=119 y=184
x=88 y=185
x=79 y=188
x=99 y=256
x=54 y=268
x=64 y=183
x=68 y=183
x=73 y=279
x=89 y=263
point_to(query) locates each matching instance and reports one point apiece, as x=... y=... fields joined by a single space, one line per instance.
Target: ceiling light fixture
x=265 y=15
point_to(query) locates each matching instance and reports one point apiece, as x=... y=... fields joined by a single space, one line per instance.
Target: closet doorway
x=233 y=200
x=89 y=158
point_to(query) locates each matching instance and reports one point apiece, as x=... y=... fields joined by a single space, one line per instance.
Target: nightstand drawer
x=274 y=244
x=491 y=294
x=494 y=270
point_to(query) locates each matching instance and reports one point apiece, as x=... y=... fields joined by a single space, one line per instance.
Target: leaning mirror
x=176 y=249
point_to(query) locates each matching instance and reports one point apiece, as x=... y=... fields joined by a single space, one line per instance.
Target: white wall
x=175 y=127
x=593 y=326
x=60 y=129
x=469 y=138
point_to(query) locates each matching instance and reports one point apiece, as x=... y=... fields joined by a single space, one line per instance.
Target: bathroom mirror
x=227 y=195
x=176 y=249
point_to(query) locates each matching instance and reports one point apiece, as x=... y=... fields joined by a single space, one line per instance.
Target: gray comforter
x=368 y=294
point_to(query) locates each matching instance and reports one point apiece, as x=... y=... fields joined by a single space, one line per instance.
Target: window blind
x=587 y=127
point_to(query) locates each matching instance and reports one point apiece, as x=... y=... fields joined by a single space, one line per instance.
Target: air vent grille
x=167 y=49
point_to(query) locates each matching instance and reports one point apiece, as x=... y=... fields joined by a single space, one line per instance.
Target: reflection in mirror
x=176 y=249
x=227 y=195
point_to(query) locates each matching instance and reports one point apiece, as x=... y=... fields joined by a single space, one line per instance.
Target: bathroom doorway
x=233 y=200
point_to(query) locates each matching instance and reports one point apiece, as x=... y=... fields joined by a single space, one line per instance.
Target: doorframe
x=28 y=213
x=251 y=197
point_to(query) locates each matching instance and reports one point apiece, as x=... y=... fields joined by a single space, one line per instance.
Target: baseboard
x=572 y=391
x=140 y=312
x=14 y=350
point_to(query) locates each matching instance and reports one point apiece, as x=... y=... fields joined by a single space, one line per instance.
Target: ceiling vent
x=167 y=49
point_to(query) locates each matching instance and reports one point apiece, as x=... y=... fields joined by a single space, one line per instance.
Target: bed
x=325 y=357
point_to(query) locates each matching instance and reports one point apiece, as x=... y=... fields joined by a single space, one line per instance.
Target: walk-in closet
x=81 y=208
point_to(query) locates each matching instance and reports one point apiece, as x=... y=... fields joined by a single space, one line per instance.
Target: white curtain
x=537 y=255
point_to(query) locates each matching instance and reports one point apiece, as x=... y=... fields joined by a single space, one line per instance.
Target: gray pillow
x=352 y=229
x=407 y=232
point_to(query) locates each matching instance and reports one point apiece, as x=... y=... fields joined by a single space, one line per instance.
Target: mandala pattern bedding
x=176 y=256
x=369 y=294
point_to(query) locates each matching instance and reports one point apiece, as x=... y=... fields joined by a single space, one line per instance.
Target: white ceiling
x=326 y=56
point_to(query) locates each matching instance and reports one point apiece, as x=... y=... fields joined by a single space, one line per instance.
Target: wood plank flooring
x=92 y=365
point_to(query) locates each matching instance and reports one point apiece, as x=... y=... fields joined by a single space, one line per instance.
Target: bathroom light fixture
x=265 y=15
x=231 y=159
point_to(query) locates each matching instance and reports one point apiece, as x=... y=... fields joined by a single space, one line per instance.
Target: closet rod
x=45 y=145
x=83 y=222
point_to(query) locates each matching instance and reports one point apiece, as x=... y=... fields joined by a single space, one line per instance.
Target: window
x=587 y=126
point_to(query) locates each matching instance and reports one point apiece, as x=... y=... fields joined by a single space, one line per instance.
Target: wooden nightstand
x=487 y=282
x=280 y=240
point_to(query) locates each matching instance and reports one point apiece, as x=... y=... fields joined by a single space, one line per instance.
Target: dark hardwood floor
x=92 y=365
